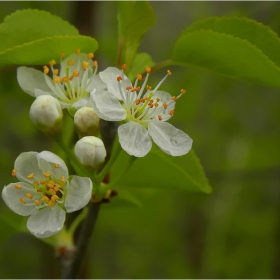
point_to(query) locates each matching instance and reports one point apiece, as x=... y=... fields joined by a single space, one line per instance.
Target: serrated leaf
x=29 y=25
x=43 y=50
x=135 y=19
x=158 y=170
x=141 y=61
x=256 y=33
x=225 y=54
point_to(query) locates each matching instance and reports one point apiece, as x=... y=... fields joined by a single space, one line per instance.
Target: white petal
x=109 y=77
x=78 y=193
x=27 y=163
x=170 y=139
x=46 y=161
x=11 y=197
x=134 y=139
x=107 y=106
x=46 y=222
x=82 y=102
x=95 y=82
x=29 y=79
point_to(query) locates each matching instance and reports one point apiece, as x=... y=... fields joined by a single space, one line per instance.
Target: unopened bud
x=86 y=121
x=46 y=114
x=90 y=151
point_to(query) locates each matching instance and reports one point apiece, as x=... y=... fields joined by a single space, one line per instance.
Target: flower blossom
x=44 y=192
x=71 y=85
x=144 y=112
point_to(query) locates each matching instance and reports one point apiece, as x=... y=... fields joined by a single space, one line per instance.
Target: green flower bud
x=46 y=114
x=90 y=151
x=86 y=121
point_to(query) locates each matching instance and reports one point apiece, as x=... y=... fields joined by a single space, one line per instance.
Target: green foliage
x=135 y=19
x=35 y=37
x=236 y=47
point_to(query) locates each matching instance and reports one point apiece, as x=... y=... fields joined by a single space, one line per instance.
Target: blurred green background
x=233 y=232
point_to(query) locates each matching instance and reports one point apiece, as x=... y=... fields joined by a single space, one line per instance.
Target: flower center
x=70 y=84
x=50 y=190
x=144 y=106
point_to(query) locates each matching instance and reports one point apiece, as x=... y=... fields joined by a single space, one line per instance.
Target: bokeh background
x=233 y=232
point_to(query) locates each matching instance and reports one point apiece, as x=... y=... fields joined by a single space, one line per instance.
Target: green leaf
x=135 y=19
x=226 y=50
x=43 y=50
x=30 y=25
x=141 y=61
x=158 y=170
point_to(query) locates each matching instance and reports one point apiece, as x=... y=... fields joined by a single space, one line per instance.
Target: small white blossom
x=144 y=112
x=44 y=192
x=71 y=84
x=46 y=114
x=90 y=151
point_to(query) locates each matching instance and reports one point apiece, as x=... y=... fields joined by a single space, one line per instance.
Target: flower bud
x=90 y=151
x=46 y=114
x=86 y=121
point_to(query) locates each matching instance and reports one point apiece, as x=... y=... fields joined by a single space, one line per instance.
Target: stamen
x=137 y=101
x=174 y=98
x=56 y=165
x=47 y=174
x=135 y=89
x=90 y=55
x=85 y=65
x=128 y=87
x=169 y=72
x=56 y=80
x=54 y=198
x=62 y=179
x=35 y=184
x=52 y=62
x=139 y=77
x=29 y=195
x=148 y=87
x=62 y=54
x=70 y=62
x=57 y=187
x=22 y=200
x=123 y=66
x=14 y=172
x=18 y=187
x=50 y=185
x=45 y=199
x=46 y=70
x=76 y=73
x=64 y=80
x=51 y=203
x=43 y=182
x=77 y=51
x=183 y=91
x=55 y=72
x=95 y=63
x=159 y=117
x=37 y=203
x=164 y=105
x=148 y=69
x=171 y=112
x=52 y=191
x=30 y=176
x=119 y=78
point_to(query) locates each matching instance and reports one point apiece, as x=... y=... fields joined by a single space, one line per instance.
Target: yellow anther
x=35 y=184
x=29 y=195
x=42 y=182
x=137 y=101
x=90 y=55
x=119 y=78
x=139 y=77
x=64 y=80
x=30 y=176
x=14 y=172
x=62 y=179
x=50 y=185
x=57 y=187
x=18 y=187
x=156 y=104
x=37 y=203
x=46 y=70
x=45 y=199
x=183 y=91
x=148 y=87
x=169 y=72
x=95 y=63
x=22 y=200
x=62 y=54
x=174 y=98
x=56 y=80
x=52 y=191
x=148 y=69
x=54 y=198
x=123 y=66
x=75 y=73
x=171 y=112
x=55 y=72
x=135 y=89
x=85 y=65
x=70 y=62
x=164 y=105
x=157 y=99
x=128 y=87
x=51 y=203
x=77 y=51
x=52 y=62
x=56 y=165
x=47 y=174
x=159 y=117
x=151 y=105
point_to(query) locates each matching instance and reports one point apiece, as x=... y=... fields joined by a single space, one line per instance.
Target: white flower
x=44 y=192
x=46 y=114
x=90 y=151
x=71 y=85
x=144 y=112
